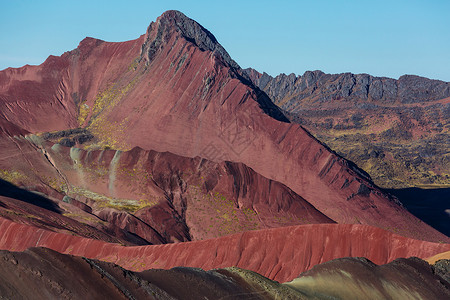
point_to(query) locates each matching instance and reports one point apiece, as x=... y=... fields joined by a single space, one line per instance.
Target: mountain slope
x=55 y=275
x=358 y=278
x=159 y=197
x=175 y=89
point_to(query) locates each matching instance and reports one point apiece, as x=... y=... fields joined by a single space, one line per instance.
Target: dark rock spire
x=173 y=21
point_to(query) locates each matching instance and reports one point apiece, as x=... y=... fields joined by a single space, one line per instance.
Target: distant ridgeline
x=396 y=130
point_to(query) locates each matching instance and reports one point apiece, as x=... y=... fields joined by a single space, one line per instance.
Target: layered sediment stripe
x=280 y=254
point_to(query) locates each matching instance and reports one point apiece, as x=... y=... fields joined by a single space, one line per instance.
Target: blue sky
x=382 y=38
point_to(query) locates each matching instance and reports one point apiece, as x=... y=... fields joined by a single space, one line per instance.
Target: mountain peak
x=174 y=15
x=173 y=21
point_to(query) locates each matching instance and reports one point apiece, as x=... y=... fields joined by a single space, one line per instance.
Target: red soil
x=280 y=254
x=174 y=198
x=191 y=117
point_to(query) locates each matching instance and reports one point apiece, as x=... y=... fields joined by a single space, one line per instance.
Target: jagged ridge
x=397 y=130
x=289 y=90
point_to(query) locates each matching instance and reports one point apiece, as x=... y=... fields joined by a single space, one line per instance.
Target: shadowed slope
x=11 y=191
x=430 y=205
x=69 y=221
x=41 y=273
x=359 y=278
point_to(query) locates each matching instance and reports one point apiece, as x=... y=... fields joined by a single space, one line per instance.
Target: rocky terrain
x=396 y=130
x=174 y=90
x=160 y=152
x=62 y=276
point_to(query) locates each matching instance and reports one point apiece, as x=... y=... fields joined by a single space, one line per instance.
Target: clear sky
x=382 y=38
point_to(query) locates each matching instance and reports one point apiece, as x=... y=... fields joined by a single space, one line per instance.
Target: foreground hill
x=175 y=89
x=396 y=130
x=61 y=276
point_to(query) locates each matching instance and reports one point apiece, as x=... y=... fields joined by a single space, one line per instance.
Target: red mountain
x=163 y=140
x=176 y=89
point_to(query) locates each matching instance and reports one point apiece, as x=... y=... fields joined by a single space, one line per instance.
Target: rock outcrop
x=319 y=87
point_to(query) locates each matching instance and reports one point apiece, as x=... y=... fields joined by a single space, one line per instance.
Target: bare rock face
x=442 y=268
x=326 y=87
x=159 y=33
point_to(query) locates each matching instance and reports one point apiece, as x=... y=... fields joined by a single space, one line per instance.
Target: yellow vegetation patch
x=12 y=176
x=110 y=133
x=129 y=205
x=133 y=66
x=222 y=214
x=83 y=112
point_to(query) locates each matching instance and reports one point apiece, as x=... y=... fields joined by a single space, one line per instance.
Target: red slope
x=280 y=253
x=46 y=97
x=246 y=200
x=9 y=129
x=181 y=198
x=184 y=95
x=198 y=110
